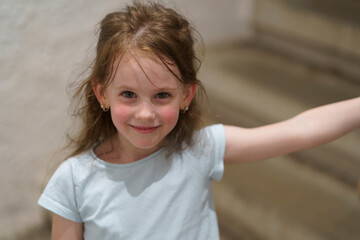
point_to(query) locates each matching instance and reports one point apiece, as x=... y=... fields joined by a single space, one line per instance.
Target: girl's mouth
x=144 y=130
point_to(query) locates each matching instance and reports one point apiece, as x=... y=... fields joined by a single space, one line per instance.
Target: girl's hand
x=308 y=129
x=63 y=229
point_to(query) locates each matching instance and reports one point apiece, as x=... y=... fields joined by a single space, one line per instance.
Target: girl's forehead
x=136 y=67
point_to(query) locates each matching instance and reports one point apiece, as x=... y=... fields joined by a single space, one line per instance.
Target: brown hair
x=150 y=28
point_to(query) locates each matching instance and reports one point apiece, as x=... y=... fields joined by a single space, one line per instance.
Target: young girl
x=143 y=163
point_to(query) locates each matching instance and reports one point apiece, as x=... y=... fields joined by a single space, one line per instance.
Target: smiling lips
x=144 y=130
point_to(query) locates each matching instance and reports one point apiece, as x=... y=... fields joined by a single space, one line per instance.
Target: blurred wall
x=43 y=45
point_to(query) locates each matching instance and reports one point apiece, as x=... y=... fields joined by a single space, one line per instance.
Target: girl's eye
x=162 y=95
x=128 y=94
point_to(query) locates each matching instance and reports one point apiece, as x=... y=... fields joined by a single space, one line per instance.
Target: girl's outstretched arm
x=308 y=129
x=63 y=229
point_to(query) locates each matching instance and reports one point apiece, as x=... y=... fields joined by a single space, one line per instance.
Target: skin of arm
x=309 y=129
x=64 y=229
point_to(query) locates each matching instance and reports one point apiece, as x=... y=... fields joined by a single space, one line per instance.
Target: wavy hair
x=153 y=29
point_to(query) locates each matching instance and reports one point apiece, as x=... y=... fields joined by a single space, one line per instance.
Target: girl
x=143 y=163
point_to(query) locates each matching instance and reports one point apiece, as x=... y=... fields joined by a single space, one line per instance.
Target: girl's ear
x=188 y=95
x=100 y=93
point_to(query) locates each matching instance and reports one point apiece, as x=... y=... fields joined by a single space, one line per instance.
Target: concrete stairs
x=307 y=195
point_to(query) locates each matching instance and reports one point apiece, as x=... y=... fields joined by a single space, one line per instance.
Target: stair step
x=307 y=195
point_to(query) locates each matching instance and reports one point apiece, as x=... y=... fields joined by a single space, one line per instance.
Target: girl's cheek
x=169 y=114
x=121 y=112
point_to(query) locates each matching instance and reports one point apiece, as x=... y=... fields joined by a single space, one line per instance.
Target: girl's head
x=145 y=69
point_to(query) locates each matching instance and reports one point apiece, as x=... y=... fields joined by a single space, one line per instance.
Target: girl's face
x=145 y=99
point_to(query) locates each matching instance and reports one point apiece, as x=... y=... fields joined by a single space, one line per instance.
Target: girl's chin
x=141 y=141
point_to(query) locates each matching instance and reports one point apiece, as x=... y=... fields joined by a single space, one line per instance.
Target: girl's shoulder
x=80 y=160
x=76 y=167
x=207 y=153
x=210 y=133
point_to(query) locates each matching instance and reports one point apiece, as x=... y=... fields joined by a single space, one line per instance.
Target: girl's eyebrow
x=156 y=88
x=166 y=89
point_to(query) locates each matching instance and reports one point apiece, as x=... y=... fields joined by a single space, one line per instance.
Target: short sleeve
x=208 y=152
x=59 y=195
x=217 y=149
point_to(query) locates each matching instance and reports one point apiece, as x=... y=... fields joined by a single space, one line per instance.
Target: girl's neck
x=115 y=151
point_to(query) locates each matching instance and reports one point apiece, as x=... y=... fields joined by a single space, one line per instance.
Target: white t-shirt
x=153 y=198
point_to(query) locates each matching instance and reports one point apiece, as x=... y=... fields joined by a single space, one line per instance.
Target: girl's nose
x=145 y=112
